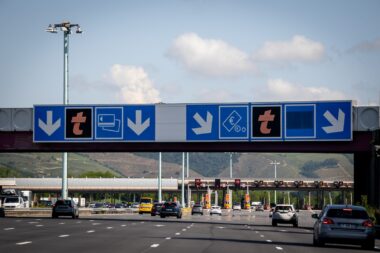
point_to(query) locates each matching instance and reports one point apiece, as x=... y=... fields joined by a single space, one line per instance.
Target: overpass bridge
x=85 y=185
x=302 y=127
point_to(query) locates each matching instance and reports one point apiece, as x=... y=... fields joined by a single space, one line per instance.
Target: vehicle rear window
x=283 y=208
x=347 y=214
x=145 y=201
x=170 y=205
x=197 y=206
x=11 y=200
x=63 y=203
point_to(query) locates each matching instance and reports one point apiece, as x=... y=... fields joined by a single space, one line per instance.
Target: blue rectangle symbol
x=202 y=122
x=233 y=122
x=109 y=123
x=300 y=121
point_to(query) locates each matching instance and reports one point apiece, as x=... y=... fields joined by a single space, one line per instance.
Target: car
x=197 y=208
x=259 y=208
x=171 y=209
x=348 y=224
x=284 y=214
x=146 y=205
x=14 y=202
x=216 y=210
x=65 y=207
x=236 y=206
x=156 y=209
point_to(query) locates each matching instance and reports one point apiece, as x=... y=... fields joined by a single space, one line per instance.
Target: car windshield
x=197 y=206
x=145 y=201
x=11 y=200
x=63 y=203
x=347 y=213
x=215 y=207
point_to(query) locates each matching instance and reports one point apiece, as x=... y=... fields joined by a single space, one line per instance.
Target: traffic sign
x=300 y=121
x=202 y=122
x=78 y=123
x=48 y=123
x=233 y=122
x=109 y=123
x=266 y=122
x=140 y=122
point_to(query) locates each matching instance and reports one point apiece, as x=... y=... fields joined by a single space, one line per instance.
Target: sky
x=138 y=52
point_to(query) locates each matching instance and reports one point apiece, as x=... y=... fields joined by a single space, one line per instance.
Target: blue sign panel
x=49 y=123
x=108 y=123
x=202 y=122
x=300 y=121
x=233 y=122
x=334 y=121
x=139 y=123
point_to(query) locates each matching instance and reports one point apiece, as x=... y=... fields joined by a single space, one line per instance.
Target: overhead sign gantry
x=242 y=122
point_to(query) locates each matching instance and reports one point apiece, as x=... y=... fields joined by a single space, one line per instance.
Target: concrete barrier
x=37 y=212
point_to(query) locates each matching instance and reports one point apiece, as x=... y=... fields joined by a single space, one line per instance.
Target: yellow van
x=146 y=205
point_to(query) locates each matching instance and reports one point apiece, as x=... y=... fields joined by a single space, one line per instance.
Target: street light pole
x=66 y=29
x=275 y=163
x=230 y=164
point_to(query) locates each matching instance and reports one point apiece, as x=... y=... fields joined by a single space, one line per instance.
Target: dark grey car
x=65 y=207
x=197 y=208
x=346 y=224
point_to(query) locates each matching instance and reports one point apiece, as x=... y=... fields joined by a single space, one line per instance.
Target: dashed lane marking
x=7 y=229
x=160 y=225
x=154 y=245
x=283 y=230
x=95 y=224
x=78 y=222
x=23 y=243
x=168 y=238
x=33 y=222
x=184 y=229
x=268 y=240
x=279 y=248
x=90 y=231
x=62 y=223
x=39 y=225
x=109 y=227
x=123 y=225
x=177 y=233
x=63 y=236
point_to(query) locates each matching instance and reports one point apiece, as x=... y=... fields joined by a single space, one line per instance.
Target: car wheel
x=54 y=216
x=369 y=245
x=73 y=216
x=152 y=214
x=274 y=224
x=211 y=214
x=318 y=242
x=179 y=216
x=295 y=224
x=220 y=214
x=140 y=213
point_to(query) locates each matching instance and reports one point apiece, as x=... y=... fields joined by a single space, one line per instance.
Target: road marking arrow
x=205 y=125
x=138 y=127
x=49 y=128
x=337 y=125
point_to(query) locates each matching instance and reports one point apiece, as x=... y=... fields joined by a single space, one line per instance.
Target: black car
x=197 y=208
x=65 y=207
x=171 y=209
x=156 y=209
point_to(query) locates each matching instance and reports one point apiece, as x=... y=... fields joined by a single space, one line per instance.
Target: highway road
x=238 y=232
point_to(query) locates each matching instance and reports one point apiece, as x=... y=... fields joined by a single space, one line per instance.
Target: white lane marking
x=109 y=227
x=37 y=219
x=123 y=225
x=91 y=220
x=256 y=232
x=96 y=224
x=177 y=233
x=268 y=240
x=78 y=222
x=220 y=227
x=184 y=229
x=90 y=231
x=279 y=248
x=154 y=245
x=62 y=223
x=188 y=227
x=39 y=225
x=133 y=223
x=33 y=222
x=261 y=236
x=143 y=223
x=6 y=229
x=63 y=236
x=307 y=230
x=160 y=225
x=168 y=238
x=283 y=230
x=23 y=243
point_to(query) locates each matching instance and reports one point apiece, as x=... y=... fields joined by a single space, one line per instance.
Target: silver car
x=346 y=224
x=284 y=214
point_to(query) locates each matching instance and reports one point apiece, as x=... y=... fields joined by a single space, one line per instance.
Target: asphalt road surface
x=231 y=232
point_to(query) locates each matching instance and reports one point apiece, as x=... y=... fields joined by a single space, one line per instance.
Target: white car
x=285 y=214
x=216 y=210
x=13 y=202
x=236 y=207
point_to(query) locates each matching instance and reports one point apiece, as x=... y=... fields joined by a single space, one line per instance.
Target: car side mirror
x=314 y=216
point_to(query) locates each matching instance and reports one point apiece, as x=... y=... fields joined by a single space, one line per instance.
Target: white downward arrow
x=205 y=125
x=49 y=128
x=337 y=125
x=138 y=127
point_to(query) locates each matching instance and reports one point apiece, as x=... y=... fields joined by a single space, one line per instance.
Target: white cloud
x=281 y=90
x=135 y=85
x=209 y=57
x=366 y=46
x=299 y=48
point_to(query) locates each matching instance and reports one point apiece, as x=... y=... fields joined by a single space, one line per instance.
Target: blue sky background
x=191 y=51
